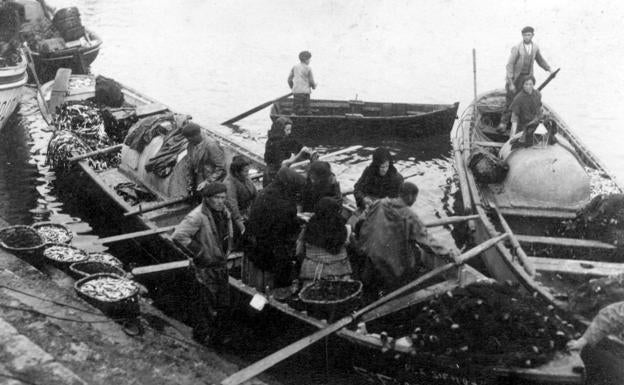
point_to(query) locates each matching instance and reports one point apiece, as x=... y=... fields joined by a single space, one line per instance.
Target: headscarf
x=277 y=128
x=288 y=182
x=322 y=171
x=381 y=155
x=326 y=228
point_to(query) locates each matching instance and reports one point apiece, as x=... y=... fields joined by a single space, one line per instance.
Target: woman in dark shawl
x=379 y=180
x=280 y=147
x=324 y=240
x=272 y=230
x=321 y=182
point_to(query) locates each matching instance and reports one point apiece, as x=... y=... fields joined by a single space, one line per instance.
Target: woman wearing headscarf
x=281 y=149
x=272 y=231
x=321 y=182
x=379 y=180
x=323 y=244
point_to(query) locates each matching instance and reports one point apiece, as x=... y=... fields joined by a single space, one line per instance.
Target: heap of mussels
x=490 y=324
x=109 y=289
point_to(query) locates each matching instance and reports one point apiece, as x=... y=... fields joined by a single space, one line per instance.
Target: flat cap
x=528 y=29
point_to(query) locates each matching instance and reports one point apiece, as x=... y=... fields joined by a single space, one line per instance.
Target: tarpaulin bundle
x=143 y=131
x=174 y=143
x=487 y=167
x=134 y=193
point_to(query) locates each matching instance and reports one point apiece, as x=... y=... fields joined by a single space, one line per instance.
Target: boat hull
x=430 y=120
x=12 y=81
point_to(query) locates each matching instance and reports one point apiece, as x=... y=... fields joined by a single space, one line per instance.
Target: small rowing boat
x=539 y=200
x=356 y=117
x=378 y=347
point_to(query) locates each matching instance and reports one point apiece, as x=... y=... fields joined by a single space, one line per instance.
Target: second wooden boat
x=356 y=117
x=12 y=81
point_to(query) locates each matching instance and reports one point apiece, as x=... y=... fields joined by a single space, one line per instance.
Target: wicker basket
x=105 y=258
x=349 y=294
x=125 y=307
x=23 y=240
x=87 y=268
x=65 y=233
x=61 y=264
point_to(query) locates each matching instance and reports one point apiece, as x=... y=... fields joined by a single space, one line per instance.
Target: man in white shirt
x=301 y=81
x=519 y=67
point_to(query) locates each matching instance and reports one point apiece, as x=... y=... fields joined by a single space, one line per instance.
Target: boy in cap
x=205 y=157
x=519 y=67
x=301 y=81
x=206 y=233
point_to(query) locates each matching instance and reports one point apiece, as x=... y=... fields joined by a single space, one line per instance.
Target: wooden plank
x=150 y=109
x=97 y=152
x=489 y=144
x=172 y=266
x=538 y=212
x=59 y=88
x=568 y=242
x=137 y=234
x=577 y=266
x=524 y=259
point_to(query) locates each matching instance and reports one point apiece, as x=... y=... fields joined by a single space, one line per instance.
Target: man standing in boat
x=301 y=81
x=206 y=158
x=519 y=66
x=396 y=243
x=206 y=232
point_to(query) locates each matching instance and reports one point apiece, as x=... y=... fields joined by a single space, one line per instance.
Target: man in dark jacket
x=207 y=233
x=206 y=158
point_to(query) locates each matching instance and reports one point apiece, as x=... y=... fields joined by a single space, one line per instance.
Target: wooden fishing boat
x=12 y=81
x=544 y=188
x=77 y=55
x=563 y=368
x=356 y=117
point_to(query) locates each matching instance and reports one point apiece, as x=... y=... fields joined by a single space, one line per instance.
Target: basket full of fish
x=110 y=259
x=62 y=255
x=110 y=293
x=53 y=232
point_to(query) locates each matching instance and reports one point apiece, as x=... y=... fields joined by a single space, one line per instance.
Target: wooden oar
x=321 y=157
x=524 y=259
x=255 y=109
x=31 y=64
x=262 y=365
x=96 y=152
x=134 y=235
x=156 y=206
x=548 y=79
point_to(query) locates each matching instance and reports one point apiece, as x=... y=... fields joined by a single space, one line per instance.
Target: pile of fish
x=66 y=254
x=105 y=258
x=79 y=130
x=53 y=233
x=488 y=324
x=109 y=289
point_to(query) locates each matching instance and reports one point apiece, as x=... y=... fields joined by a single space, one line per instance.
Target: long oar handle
x=96 y=152
x=255 y=109
x=262 y=365
x=528 y=266
x=134 y=235
x=548 y=79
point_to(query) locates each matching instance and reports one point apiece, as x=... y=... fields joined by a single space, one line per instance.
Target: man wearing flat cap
x=206 y=233
x=519 y=67
x=206 y=159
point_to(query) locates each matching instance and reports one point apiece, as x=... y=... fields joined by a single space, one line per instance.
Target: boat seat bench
x=576 y=266
x=564 y=242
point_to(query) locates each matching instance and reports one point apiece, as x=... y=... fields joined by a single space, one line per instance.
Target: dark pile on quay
x=482 y=324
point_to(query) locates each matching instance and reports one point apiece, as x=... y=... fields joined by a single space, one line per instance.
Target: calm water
x=214 y=60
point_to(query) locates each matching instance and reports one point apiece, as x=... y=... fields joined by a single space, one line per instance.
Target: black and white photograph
x=297 y=192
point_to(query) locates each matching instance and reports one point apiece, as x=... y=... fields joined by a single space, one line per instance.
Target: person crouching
x=207 y=233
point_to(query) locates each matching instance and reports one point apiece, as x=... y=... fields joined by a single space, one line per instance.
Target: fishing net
x=490 y=324
x=80 y=129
